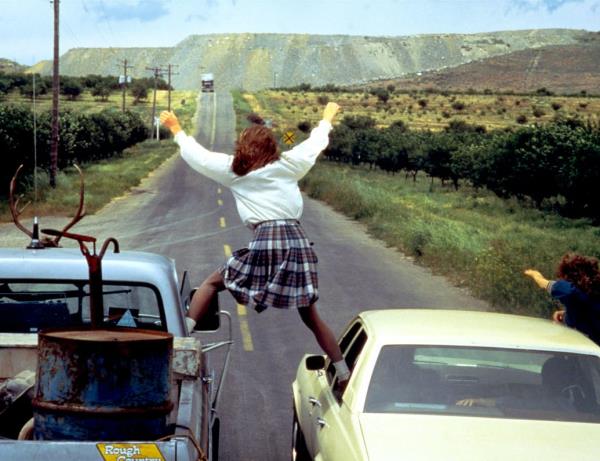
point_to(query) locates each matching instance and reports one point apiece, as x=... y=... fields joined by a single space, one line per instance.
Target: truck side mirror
x=211 y=321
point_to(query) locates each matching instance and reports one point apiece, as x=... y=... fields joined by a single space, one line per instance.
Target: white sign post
x=157 y=123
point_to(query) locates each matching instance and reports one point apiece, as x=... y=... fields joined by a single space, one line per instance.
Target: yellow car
x=451 y=385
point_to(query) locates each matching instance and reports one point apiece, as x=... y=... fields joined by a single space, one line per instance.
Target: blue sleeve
x=576 y=304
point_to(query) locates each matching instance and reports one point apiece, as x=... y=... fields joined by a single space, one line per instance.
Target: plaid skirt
x=278 y=269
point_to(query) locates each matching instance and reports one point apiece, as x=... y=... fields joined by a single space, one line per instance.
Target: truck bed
x=18 y=352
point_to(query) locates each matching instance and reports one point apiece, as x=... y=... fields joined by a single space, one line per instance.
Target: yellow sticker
x=130 y=452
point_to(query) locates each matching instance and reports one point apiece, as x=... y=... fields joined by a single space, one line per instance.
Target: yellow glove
x=538 y=278
x=330 y=110
x=169 y=120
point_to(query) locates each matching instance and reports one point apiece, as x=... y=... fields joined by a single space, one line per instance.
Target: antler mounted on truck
x=34 y=234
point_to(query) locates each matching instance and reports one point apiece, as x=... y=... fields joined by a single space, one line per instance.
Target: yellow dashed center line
x=241 y=311
x=222 y=222
x=246 y=337
x=220 y=202
x=219 y=191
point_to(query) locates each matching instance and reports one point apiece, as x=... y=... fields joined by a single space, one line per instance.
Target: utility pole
x=55 y=91
x=157 y=73
x=169 y=84
x=124 y=83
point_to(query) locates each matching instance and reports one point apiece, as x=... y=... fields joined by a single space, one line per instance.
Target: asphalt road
x=185 y=216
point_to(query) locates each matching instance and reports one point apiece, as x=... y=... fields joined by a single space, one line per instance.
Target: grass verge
x=103 y=181
x=474 y=238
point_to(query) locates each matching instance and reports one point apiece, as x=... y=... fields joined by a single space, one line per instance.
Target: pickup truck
x=50 y=288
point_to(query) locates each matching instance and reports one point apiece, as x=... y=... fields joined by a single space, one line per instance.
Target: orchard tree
x=340 y=144
x=101 y=91
x=71 y=87
x=382 y=94
x=138 y=91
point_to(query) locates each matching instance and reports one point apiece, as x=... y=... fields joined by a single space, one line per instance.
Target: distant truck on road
x=208 y=81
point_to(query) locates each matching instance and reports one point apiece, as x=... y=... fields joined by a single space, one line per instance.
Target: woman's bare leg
x=322 y=332
x=204 y=295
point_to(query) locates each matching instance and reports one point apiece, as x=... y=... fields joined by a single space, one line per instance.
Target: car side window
x=351 y=345
x=349 y=336
x=355 y=349
x=344 y=344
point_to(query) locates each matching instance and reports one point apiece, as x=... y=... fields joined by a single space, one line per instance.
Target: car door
x=313 y=385
x=334 y=431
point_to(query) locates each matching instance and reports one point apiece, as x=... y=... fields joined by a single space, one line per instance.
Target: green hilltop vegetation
x=255 y=61
x=9 y=67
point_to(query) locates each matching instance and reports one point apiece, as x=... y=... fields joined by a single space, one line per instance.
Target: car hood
x=430 y=438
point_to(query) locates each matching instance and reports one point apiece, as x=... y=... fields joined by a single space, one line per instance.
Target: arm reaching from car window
x=544 y=283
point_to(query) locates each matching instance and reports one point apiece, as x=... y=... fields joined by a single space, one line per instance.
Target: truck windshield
x=27 y=307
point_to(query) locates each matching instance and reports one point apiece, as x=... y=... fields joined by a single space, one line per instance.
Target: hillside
x=7 y=66
x=256 y=61
x=563 y=69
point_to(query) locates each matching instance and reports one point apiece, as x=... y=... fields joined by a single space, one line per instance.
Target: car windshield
x=503 y=383
x=27 y=307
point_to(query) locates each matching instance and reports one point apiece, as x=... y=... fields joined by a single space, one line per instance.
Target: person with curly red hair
x=577 y=287
x=278 y=268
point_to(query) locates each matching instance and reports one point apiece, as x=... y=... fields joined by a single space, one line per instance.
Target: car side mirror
x=211 y=321
x=315 y=362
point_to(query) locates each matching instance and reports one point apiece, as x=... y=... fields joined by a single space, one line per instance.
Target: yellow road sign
x=289 y=137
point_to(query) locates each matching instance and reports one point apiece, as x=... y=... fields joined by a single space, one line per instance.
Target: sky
x=26 y=26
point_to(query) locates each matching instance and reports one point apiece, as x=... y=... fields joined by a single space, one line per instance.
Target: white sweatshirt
x=268 y=193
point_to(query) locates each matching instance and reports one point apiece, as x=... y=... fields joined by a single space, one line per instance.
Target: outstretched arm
x=302 y=157
x=538 y=278
x=215 y=165
x=544 y=283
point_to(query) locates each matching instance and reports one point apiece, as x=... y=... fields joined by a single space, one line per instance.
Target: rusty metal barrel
x=102 y=384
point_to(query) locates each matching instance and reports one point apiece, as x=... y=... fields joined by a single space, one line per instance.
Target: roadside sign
x=289 y=137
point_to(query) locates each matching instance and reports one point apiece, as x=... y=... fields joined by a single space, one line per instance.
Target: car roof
x=473 y=328
x=70 y=264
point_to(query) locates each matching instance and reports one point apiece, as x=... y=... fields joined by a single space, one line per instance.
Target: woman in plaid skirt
x=278 y=268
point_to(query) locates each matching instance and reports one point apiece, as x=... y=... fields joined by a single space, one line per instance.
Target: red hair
x=255 y=148
x=581 y=271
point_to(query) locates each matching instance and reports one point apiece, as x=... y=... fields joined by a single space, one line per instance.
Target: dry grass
x=434 y=112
